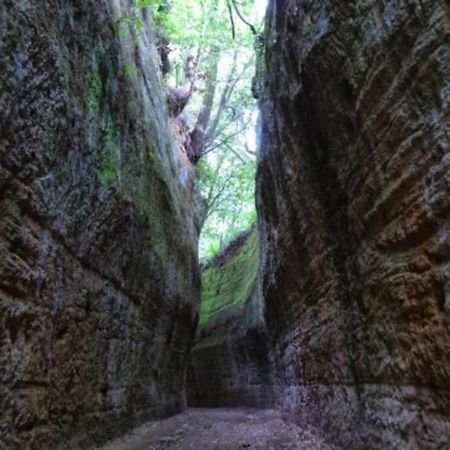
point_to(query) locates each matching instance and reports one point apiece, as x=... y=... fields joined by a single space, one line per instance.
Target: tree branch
x=178 y=98
x=243 y=18
x=230 y=12
x=198 y=134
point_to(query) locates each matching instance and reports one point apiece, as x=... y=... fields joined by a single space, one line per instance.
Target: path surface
x=221 y=429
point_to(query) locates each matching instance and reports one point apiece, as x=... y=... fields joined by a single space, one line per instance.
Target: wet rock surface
x=99 y=285
x=222 y=429
x=353 y=199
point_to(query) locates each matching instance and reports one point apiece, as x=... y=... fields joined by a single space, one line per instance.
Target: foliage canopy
x=207 y=52
x=221 y=112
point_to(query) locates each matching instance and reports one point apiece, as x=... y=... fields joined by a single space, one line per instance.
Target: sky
x=260 y=8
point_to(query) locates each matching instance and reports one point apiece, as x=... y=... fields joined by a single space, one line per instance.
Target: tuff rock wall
x=99 y=286
x=354 y=199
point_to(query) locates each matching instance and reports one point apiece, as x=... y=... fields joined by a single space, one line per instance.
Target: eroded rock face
x=353 y=189
x=229 y=364
x=98 y=269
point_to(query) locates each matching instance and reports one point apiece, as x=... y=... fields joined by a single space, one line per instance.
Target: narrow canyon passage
x=172 y=279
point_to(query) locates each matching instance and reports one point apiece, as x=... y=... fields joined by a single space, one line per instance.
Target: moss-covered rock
x=230 y=278
x=229 y=363
x=99 y=277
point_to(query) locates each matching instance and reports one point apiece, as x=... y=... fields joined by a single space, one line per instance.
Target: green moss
x=108 y=164
x=107 y=157
x=131 y=70
x=151 y=153
x=229 y=283
x=94 y=93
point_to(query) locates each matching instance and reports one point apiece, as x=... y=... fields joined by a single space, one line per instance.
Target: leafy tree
x=211 y=48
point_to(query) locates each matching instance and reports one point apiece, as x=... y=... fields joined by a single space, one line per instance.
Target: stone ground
x=221 y=429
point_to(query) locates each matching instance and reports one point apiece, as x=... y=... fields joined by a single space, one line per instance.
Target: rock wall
x=353 y=194
x=229 y=364
x=99 y=286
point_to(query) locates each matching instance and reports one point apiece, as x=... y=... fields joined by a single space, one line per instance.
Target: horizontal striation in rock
x=353 y=188
x=99 y=288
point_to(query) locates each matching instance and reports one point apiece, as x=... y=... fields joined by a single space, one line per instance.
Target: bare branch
x=230 y=12
x=228 y=146
x=243 y=18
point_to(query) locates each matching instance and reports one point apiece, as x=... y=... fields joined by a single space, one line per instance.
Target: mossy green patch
x=107 y=157
x=108 y=164
x=131 y=70
x=151 y=153
x=94 y=93
x=228 y=283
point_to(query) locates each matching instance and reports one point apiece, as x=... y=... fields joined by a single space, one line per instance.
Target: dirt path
x=221 y=429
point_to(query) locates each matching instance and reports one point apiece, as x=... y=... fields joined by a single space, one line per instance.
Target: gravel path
x=221 y=429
